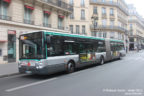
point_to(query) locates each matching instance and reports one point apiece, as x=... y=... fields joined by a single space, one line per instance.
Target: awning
x=47 y=12
x=8 y=1
x=12 y=32
x=29 y=7
x=61 y=16
x=2 y=41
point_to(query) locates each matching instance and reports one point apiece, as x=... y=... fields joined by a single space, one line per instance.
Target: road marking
x=28 y=85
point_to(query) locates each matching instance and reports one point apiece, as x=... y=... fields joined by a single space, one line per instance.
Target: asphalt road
x=118 y=78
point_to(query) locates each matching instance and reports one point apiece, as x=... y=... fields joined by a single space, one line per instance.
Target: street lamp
x=94 y=23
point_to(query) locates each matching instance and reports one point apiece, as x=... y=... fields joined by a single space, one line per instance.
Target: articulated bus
x=50 y=52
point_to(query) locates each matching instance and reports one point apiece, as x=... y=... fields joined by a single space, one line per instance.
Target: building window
x=95 y=24
x=95 y=1
x=111 y=11
x=72 y=15
x=82 y=2
x=100 y=34
x=28 y=14
x=77 y=29
x=131 y=26
x=119 y=36
x=94 y=10
x=111 y=23
x=82 y=14
x=104 y=34
x=46 y=16
x=112 y=35
x=103 y=0
x=119 y=24
x=60 y=22
x=111 y=1
x=103 y=11
x=4 y=10
x=123 y=37
x=71 y=2
x=71 y=29
x=104 y=22
x=83 y=29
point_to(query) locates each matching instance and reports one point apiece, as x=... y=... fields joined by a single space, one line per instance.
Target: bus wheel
x=70 y=67
x=102 y=61
x=120 y=56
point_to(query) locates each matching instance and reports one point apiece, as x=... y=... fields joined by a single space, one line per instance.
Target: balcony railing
x=47 y=25
x=59 y=3
x=109 y=4
x=104 y=15
x=28 y=22
x=4 y=17
x=112 y=15
x=61 y=27
x=108 y=28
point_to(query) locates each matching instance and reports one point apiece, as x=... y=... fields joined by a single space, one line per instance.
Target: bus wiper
x=29 y=43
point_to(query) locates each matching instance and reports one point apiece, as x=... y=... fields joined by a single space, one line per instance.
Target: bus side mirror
x=48 y=39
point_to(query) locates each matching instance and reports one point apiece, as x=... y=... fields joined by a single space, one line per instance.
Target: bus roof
x=73 y=35
x=79 y=36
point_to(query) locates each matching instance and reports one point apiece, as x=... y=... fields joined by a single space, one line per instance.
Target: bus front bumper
x=33 y=70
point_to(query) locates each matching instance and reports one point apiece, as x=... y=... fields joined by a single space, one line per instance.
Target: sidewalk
x=134 y=51
x=8 y=69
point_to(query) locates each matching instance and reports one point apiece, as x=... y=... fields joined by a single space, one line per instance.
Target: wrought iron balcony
x=28 y=22
x=109 y=3
x=112 y=16
x=5 y=17
x=102 y=27
x=104 y=15
x=58 y=3
x=47 y=25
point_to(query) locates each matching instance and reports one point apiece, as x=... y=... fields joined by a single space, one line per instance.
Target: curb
x=8 y=75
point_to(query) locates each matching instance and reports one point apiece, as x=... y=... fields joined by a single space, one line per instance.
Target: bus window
x=90 y=48
x=82 y=48
x=70 y=48
x=56 y=47
x=31 y=46
x=101 y=47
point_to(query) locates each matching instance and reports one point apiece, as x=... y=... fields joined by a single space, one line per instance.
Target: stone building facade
x=100 y=18
x=21 y=16
x=136 y=29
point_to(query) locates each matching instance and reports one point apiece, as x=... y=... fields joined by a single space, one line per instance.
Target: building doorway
x=11 y=46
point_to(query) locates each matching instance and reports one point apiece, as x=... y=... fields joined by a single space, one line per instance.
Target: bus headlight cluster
x=39 y=65
x=19 y=64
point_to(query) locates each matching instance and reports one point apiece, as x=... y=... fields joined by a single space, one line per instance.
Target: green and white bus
x=50 y=52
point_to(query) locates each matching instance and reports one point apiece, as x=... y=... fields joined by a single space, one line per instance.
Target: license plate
x=28 y=72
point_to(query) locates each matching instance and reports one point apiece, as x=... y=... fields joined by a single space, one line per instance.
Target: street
x=117 y=78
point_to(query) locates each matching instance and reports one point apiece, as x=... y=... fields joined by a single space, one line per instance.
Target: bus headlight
x=39 y=65
x=19 y=64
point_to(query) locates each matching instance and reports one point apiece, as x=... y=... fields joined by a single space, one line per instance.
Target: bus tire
x=70 y=67
x=101 y=60
x=120 y=56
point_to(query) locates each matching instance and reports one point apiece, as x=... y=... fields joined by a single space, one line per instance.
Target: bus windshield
x=31 y=46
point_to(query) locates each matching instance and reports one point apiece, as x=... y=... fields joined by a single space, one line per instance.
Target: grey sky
x=139 y=4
